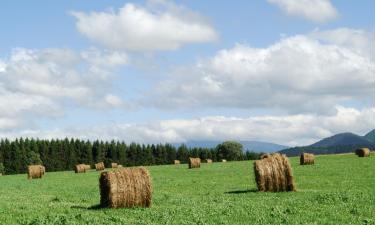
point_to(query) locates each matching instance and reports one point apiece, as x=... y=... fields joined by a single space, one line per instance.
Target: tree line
x=64 y=154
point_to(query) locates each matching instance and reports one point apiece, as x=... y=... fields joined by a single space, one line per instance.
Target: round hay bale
x=209 y=160
x=177 y=162
x=43 y=170
x=114 y=165
x=307 y=159
x=263 y=156
x=362 y=152
x=119 y=166
x=194 y=163
x=224 y=160
x=99 y=166
x=274 y=174
x=80 y=168
x=87 y=167
x=35 y=171
x=128 y=187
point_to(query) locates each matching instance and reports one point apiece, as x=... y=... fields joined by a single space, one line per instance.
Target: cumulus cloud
x=360 y=41
x=314 y=10
x=302 y=73
x=105 y=59
x=160 y=26
x=290 y=130
x=36 y=83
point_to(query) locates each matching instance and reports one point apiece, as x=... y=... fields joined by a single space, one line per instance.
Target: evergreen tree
x=86 y=153
x=96 y=151
x=147 y=156
x=7 y=157
x=15 y=158
x=33 y=158
x=171 y=154
x=183 y=153
x=2 y=169
x=59 y=155
x=132 y=154
x=121 y=149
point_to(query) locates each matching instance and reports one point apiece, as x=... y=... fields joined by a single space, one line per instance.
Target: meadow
x=338 y=189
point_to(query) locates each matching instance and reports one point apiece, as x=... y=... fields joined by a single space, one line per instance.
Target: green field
x=338 y=189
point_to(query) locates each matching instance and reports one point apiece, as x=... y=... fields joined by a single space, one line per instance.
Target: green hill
x=336 y=144
x=370 y=136
x=343 y=139
x=338 y=189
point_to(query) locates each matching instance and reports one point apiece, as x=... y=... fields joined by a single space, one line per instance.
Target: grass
x=336 y=190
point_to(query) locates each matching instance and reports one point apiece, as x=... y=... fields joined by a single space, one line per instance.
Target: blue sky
x=283 y=71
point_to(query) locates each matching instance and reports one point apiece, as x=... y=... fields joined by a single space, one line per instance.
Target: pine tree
x=147 y=156
x=171 y=154
x=15 y=158
x=121 y=149
x=132 y=154
x=86 y=153
x=33 y=158
x=7 y=155
x=183 y=153
x=2 y=169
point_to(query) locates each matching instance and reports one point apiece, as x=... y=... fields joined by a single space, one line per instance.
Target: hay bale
x=307 y=159
x=35 y=171
x=128 y=187
x=119 y=166
x=80 y=168
x=87 y=167
x=263 y=156
x=224 y=160
x=363 y=152
x=43 y=170
x=209 y=160
x=114 y=165
x=177 y=162
x=194 y=163
x=274 y=174
x=99 y=166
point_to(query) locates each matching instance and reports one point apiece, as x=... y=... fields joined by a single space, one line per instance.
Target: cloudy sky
x=283 y=71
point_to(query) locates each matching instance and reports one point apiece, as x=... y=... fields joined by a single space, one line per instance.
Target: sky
x=284 y=71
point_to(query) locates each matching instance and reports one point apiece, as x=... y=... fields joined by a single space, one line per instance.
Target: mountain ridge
x=370 y=136
x=345 y=142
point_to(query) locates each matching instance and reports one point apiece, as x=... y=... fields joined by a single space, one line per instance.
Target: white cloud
x=290 y=130
x=302 y=73
x=360 y=41
x=2 y=66
x=314 y=10
x=106 y=59
x=36 y=83
x=161 y=26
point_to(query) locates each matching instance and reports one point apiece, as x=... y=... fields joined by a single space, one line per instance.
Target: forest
x=64 y=154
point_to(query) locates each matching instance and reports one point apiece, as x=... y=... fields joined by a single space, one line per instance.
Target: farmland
x=338 y=189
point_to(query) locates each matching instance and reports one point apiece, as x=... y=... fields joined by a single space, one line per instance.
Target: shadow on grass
x=242 y=191
x=93 y=207
x=96 y=207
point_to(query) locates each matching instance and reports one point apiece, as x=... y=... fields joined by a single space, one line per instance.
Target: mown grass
x=336 y=190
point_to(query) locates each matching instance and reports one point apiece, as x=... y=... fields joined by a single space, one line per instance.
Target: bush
x=230 y=150
x=253 y=155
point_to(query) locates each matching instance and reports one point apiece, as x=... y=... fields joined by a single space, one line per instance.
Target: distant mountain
x=370 y=136
x=256 y=146
x=339 y=143
x=342 y=139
